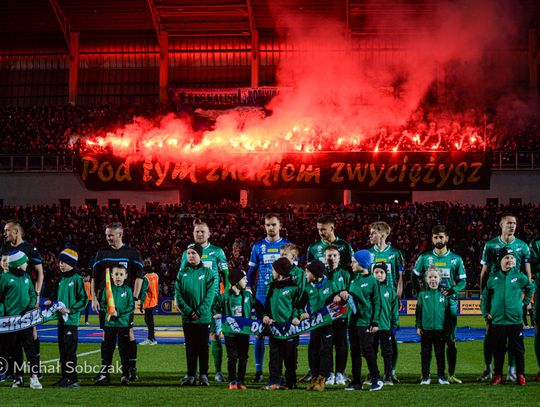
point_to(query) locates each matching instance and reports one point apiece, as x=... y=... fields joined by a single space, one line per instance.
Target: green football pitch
x=160 y=368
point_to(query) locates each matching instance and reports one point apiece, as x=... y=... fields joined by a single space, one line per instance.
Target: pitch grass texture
x=162 y=366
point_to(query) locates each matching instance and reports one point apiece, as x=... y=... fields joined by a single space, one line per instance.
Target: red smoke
x=355 y=91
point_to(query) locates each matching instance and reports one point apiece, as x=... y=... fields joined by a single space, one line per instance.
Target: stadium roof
x=41 y=19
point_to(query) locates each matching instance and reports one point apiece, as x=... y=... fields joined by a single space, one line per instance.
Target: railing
x=502 y=160
x=37 y=162
x=521 y=160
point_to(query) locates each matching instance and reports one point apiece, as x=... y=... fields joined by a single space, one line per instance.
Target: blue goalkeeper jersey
x=263 y=254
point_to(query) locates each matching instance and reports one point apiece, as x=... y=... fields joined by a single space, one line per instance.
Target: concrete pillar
x=347 y=199
x=163 y=66
x=73 y=91
x=255 y=62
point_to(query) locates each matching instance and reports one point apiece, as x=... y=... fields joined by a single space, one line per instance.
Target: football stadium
x=273 y=202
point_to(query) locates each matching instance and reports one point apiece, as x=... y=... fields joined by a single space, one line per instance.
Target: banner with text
x=369 y=171
x=31 y=318
x=247 y=326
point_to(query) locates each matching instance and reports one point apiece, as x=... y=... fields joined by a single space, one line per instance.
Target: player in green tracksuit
x=502 y=306
x=384 y=252
x=69 y=289
x=194 y=293
x=364 y=293
x=453 y=280
x=507 y=239
x=432 y=309
x=388 y=320
x=340 y=278
x=325 y=227
x=319 y=292
x=17 y=295
x=213 y=258
x=535 y=265
x=117 y=325
x=239 y=303
x=282 y=305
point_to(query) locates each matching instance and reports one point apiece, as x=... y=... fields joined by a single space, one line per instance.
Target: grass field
x=160 y=368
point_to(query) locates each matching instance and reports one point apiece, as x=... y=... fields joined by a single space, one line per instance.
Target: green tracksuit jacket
x=69 y=289
x=317 y=295
x=17 y=293
x=195 y=290
x=123 y=303
x=502 y=297
x=389 y=317
x=431 y=309
x=283 y=301
x=237 y=305
x=364 y=289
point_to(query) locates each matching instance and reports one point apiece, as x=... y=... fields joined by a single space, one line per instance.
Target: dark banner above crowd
x=369 y=171
x=226 y=97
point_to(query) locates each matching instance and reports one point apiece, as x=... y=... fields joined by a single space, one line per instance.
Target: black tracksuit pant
x=432 y=339
x=513 y=335
x=237 y=354
x=17 y=341
x=196 y=337
x=362 y=345
x=384 y=338
x=283 y=351
x=112 y=335
x=339 y=330
x=68 y=337
x=320 y=351
x=149 y=321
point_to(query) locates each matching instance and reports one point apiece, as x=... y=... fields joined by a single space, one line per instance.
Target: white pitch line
x=80 y=354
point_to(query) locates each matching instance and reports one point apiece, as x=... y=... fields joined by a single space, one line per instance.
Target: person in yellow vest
x=149 y=300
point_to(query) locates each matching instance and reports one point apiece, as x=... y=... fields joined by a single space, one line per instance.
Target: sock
x=511 y=361
x=133 y=355
x=488 y=354
x=259 y=354
x=38 y=353
x=217 y=353
x=451 y=356
x=537 y=349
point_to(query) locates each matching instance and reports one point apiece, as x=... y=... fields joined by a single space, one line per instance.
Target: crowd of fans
x=65 y=129
x=162 y=232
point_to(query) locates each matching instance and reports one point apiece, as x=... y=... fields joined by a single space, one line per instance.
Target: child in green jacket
x=502 y=305
x=69 y=289
x=18 y=296
x=388 y=320
x=282 y=305
x=431 y=309
x=319 y=292
x=364 y=320
x=239 y=303
x=340 y=278
x=194 y=293
x=117 y=325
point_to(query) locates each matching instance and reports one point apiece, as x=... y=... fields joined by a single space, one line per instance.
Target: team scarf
x=108 y=291
x=246 y=326
x=31 y=318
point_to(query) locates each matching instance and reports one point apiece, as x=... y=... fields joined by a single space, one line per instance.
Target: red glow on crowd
x=338 y=102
